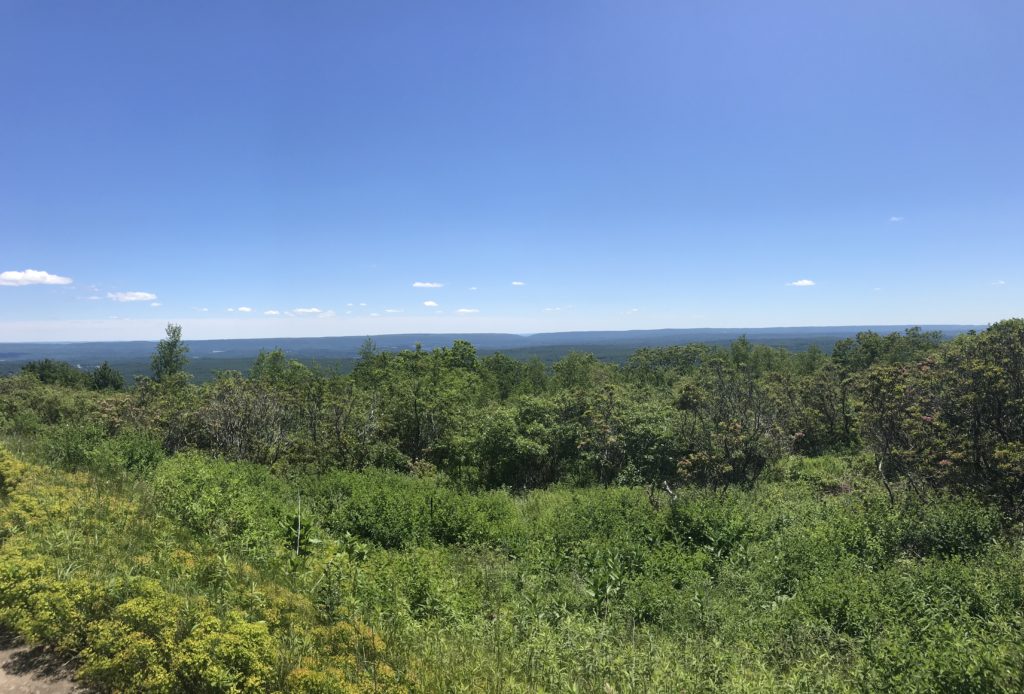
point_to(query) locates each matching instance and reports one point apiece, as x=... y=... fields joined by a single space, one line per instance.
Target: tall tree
x=169 y=359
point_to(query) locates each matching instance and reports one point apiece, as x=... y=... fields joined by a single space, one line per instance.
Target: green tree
x=501 y=372
x=870 y=348
x=733 y=420
x=55 y=372
x=105 y=377
x=954 y=417
x=169 y=359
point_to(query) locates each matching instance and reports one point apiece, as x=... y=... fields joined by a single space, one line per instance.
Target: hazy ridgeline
x=698 y=517
x=207 y=357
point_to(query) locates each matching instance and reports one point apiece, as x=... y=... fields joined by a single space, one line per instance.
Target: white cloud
x=244 y=309
x=556 y=308
x=131 y=296
x=93 y=298
x=999 y=283
x=156 y=304
x=801 y=283
x=472 y=289
x=363 y=304
x=327 y=314
x=467 y=310
x=374 y=314
x=202 y=309
x=307 y=311
x=517 y=283
x=633 y=310
x=392 y=310
x=430 y=304
x=895 y=219
x=272 y=312
x=21 y=278
x=427 y=285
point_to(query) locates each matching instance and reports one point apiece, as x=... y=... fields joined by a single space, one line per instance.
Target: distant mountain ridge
x=208 y=356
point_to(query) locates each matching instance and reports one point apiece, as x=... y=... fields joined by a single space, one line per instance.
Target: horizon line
x=556 y=332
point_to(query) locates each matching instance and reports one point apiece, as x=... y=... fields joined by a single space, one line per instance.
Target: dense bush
x=239 y=505
x=394 y=510
x=955 y=417
x=934 y=413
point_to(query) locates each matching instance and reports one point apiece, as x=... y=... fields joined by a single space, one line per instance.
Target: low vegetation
x=699 y=519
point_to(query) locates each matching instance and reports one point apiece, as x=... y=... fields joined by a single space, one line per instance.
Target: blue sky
x=553 y=165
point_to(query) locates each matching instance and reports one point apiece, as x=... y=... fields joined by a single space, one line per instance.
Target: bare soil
x=33 y=670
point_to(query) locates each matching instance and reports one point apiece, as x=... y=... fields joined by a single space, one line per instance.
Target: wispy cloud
x=430 y=304
x=427 y=285
x=467 y=310
x=156 y=304
x=22 y=278
x=472 y=289
x=999 y=283
x=307 y=311
x=801 y=283
x=244 y=309
x=517 y=283
x=392 y=310
x=201 y=309
x=896 y=219
x=271 y=312
x=131 y=296
x=555 y=308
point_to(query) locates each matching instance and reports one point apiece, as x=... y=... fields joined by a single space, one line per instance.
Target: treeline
x=932 y=412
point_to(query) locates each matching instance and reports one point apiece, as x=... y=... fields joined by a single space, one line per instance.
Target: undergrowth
x=194 y=573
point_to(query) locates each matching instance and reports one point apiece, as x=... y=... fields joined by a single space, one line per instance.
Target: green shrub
x=70 y=446
x=237 y=504
x=394 y=510
x=131 y=451
x=947 y=526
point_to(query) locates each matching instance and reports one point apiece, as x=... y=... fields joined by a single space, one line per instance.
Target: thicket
x=933 y=413
x=697 y=519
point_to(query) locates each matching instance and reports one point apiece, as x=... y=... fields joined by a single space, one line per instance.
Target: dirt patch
x=835 y=488
x=36 y=670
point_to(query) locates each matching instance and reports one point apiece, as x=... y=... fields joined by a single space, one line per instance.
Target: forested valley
x=699 y=518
